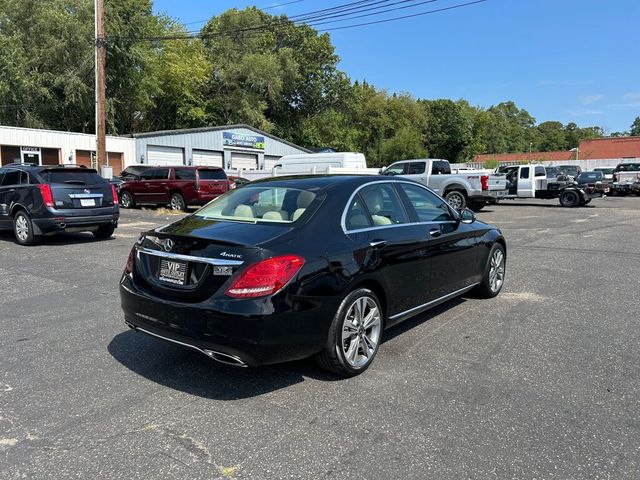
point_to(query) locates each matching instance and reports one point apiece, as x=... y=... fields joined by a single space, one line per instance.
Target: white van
x=319 y=162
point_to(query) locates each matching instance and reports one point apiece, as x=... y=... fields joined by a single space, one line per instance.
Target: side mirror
x=467 y=216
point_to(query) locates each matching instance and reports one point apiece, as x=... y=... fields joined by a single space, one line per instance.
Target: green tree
x=552 y=136
x=448 y=130
x=406 y=143
x=635 y=127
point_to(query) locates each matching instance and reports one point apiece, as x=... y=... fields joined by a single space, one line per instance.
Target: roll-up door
x=244 y=160
x=160 y=155
x=270 y=161
x=83 y=158
x=208 y=158
x=115 y=162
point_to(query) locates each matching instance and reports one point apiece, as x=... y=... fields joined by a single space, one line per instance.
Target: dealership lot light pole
x=100 y=54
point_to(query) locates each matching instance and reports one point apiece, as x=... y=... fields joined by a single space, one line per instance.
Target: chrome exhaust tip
x=225 y=358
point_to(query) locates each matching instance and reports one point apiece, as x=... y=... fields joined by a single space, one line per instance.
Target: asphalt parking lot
x=541 y=382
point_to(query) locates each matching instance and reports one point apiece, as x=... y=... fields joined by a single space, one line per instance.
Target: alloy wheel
x=176 y=203
x=496 y=271
x=455 y=200
x=22 y=228
x=125 y=199
x=361 y=331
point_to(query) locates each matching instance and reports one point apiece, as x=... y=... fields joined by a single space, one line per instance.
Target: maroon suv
x=175 y=186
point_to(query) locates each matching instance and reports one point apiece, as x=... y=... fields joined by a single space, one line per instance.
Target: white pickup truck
x=469 y=189
x=626 y=178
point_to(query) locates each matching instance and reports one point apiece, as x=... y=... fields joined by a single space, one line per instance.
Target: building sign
x=30 y=155
x=230 y=139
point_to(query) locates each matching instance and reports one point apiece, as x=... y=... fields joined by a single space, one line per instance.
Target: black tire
x=177 y=203
x=23 y=229
x=487 y=289
x=126 y=200
x=570 y=199
x=104 y=232
x=477 y=206
x=457 y=199
x=334 y=358
x=587 y=201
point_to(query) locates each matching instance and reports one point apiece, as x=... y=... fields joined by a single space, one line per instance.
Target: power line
x=268 y=27
x=261 y=8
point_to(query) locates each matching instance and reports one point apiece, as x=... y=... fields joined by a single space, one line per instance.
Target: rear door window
x=72 y=177
x=524 y=172
x=211 y=174
x=185 y=174
x=440 y=168
x=156 y=174
x=383 y=204
x=357 y=216
x=540 y=172
x=416 y=168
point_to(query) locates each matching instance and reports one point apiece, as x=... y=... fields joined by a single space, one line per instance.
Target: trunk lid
x=212 y=181
x=193 y=259
x=497 y=181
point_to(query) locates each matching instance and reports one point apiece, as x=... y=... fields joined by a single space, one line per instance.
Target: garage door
x=115 y=162
x=244 y=160
x=157 y=155
x=83 y=158
x=208 y=158
x=270 y=161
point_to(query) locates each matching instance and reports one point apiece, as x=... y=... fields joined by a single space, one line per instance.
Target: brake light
x=265 y=277
x=128 y=268
x=484 y=180
x=114 y=192
x=47 y=196
x=232 y=184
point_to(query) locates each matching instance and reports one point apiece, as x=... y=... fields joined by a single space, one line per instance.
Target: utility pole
x=100 y=53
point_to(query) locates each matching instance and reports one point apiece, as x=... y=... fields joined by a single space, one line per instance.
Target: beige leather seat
x=375 y=202
x=278 y=215
x=243 y=211
x=303 y=201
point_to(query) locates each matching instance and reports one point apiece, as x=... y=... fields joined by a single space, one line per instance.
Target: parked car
x=133 y=171
x=37 y=201
x=175 y=186
x=292 y=267
x=626 y=178
x=474 y=190
x=568 y=171
x=589 y=178
x=607 y=172
x=239 y=181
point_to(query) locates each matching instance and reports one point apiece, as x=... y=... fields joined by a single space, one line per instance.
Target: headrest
x=304 y=199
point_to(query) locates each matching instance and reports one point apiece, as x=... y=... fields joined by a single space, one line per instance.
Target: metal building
x=230 y=146
x=48 y=147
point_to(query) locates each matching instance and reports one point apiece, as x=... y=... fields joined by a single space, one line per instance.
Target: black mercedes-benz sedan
x=292 y=267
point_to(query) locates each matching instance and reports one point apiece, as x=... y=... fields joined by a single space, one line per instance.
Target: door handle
x=378 y=243
x=435 y=232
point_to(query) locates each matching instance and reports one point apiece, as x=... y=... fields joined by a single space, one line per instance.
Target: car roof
x=325 y=181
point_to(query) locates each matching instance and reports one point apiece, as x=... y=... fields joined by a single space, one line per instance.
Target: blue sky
x=568 y=60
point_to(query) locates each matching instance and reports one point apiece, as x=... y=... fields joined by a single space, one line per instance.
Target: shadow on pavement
x=59 y=239
x=191 y=372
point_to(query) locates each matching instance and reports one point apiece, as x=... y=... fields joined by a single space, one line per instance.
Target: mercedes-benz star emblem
x=87 y=190
x=168 y=245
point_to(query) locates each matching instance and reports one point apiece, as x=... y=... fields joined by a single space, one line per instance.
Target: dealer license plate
x=87 y=202
x=173 y=272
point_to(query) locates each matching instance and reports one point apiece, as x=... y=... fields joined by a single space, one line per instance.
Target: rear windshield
x=212 y=174
x=628 y=167
x=76 y=177
x=259 y=204
x=590 y=176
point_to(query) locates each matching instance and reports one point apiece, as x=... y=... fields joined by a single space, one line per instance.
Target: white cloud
x=590 y=99
x=580 y=113
x=632 y=96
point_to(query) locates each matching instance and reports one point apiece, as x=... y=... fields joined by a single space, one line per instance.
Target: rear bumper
x=61 y=221
x=250 y=340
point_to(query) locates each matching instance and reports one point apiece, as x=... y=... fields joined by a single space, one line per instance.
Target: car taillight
x=232 y=185
x=484 y=180
x=115 y=194
x=265 y=277
x=47 y=196
x=128 y=268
